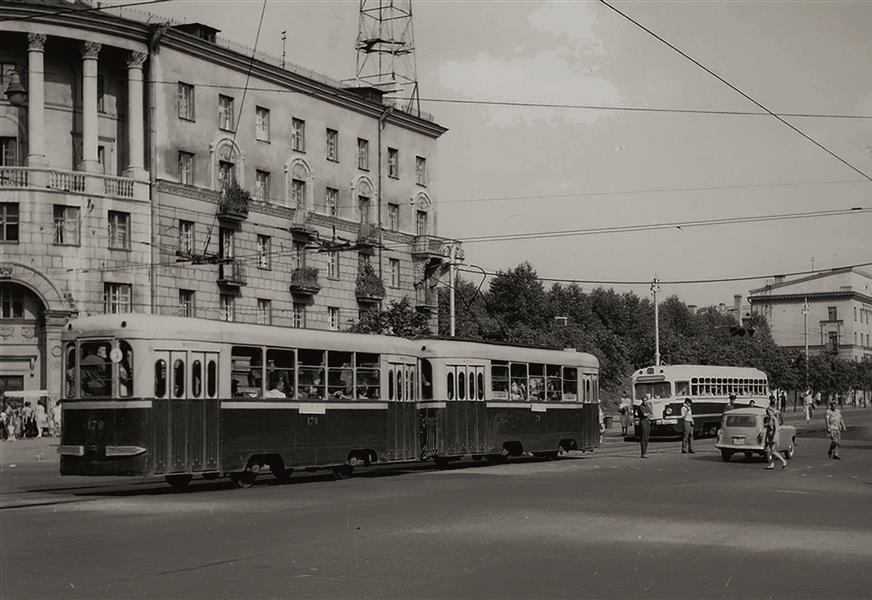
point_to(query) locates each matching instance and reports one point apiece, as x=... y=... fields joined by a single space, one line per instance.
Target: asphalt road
x=602 y=525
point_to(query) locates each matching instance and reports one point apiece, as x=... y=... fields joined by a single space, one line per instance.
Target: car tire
x=791 y=448
x=726 y=455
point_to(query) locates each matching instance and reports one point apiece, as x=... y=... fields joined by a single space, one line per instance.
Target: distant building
x=839 y=319
x=118 y=151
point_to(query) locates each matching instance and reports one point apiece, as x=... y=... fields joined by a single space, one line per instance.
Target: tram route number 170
x=94 y=425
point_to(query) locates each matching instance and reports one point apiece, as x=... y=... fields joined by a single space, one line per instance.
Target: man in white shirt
x=686 y=427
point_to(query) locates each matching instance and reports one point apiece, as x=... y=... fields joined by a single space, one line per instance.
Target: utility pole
x=655 y=287
x=805 y=335
x=454 y=253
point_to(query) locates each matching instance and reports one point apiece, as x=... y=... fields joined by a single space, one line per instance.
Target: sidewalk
x=28 y=451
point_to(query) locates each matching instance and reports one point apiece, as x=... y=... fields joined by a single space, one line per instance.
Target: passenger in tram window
x=516 y=391
x=553 y=392
x=315 y=389
x=254 y=374
x=537 y=388
x=277 y=389
x=234 y=389
x=94 y=369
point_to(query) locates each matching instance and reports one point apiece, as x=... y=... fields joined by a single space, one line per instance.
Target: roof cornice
x=93 y=21
x=800 y=298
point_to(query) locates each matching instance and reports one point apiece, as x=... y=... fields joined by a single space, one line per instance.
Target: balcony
x=233 y=204
x=369 y=286
x=426 y=298
x=74 y=182
x=368 y=236
x=232 y=273
x=427 y=246
x=304 y=281
x=300 y=229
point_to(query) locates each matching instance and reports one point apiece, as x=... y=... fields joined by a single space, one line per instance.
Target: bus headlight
x=668 y=410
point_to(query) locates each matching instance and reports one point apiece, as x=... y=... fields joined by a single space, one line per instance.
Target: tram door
x=402 y=412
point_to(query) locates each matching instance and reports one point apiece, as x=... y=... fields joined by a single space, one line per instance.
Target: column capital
x=136 y=59
x=36 y=42
x=90 y=50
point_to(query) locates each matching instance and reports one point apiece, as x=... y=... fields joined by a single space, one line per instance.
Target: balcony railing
x=426 y=297
x=232 y=273
x=77 y=182
x=14 y=177
x=68 y=181
x=304 y=281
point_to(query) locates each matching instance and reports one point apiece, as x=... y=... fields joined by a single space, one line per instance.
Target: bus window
x=499 y=380
x=682 y=388
x=160 y=378
x=311 y=382
x=70 y=371
x=461 y=383
x=570 y=383
x=94 y=370
x=246 y=372
x=179 y=378
x=391 y=384
x=657 y=389
x=537 y=382
x=480 y=378
x=426 y=379
x=367 y=374
x=694 y=387
x=450 y=383
x=518 y=372
x=211 y=379
x=196 y=379
x=280 y=380
x=554 y=383
x=125 y=370
x=340 y=375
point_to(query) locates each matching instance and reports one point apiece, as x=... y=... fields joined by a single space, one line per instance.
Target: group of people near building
x=28 y=421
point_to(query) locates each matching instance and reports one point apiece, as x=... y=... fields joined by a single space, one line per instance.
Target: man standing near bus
x=645 y=416
x=687 y=427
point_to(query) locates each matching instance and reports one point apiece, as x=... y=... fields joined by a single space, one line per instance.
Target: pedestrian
x=645 y=415
x=783 y=399
x=732 y=403
x=625 y=418
x=808 y=404
x=835 y=427
x=41 y=418
x=770 y=422
x=687 y=427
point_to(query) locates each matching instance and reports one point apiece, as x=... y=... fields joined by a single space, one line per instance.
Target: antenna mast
x=386 y=51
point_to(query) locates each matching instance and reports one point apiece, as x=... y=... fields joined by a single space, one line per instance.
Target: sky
x=504 y=170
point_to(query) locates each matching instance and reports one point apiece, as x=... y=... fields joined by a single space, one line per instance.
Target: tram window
x=280 y=381
x=553 y=383
x=594 y=384
x=125 y=370
x=682 y=388
x=196 y=379
x=367 y=375
x=400 y=395
x=450 y=382
x=461 y=383
x=426 y=380
x=471 y=379
x=179 y=378
x=160 y=378
x=500 y=380
x=570 y=383
x=537 y=382
x=95 y=373
x=211 y=379
x=246 y=372
x=70 y=371
x=340 y=375
x=311 y=374
x=518 y=372
x=480 y=378
x=391 y=395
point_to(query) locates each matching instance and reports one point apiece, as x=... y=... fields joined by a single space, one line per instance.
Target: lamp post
x=655 y=287
x=805 y=312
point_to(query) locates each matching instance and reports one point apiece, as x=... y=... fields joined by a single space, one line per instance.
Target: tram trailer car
x=494 y=401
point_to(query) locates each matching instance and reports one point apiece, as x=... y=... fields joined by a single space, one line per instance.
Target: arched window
x=299 y=185
x=226 y=160
x=364 y=194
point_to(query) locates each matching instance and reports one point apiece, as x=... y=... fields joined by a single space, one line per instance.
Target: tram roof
x=674 y=371
x=442 y=348
x=158 y=327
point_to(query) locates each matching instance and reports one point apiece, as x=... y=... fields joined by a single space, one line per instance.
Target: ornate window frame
x=225 y=148
x=297 y=168
x=363 y=186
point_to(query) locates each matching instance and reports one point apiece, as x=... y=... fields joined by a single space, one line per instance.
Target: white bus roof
x=672 y=372
x=448 y=349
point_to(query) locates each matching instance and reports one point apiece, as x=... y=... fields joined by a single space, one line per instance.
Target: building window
x=299 y=315
x=261 y=185
x=8 y=151
x=186 y=168
x=119 y=230
x=9 y=221
x=331 y=201
x=298 y=258
x=261 y=126
x=333 y=145
x=101 y=158
x=298 y=135
x=395 y=272
x=298 y=193
x=226 y=174
x=186 y=238
x=422 y=225
x=263 y=251
x=101 y=94
x=226 y=243
x=832 y=313
x=227 y=307
x=186 y=101
x=363 y=154
x=116 y=298
x=855 y=313
x=11 y=302
x=393 y=163
x=833 y=343
x=393 y=217
x=66 y=223
x=186 y=303
x=420 y=170
x=364 y=208
x=225 y=112
x=333 y=265
x=264 y=311
x=333 y=317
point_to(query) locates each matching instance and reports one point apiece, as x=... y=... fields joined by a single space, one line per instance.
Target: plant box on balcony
x=304 y=281
x=233 y=204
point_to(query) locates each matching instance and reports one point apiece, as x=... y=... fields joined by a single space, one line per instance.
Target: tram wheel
x=179 y=482
x=279 y=471
x=342 y=472
x=243 y=479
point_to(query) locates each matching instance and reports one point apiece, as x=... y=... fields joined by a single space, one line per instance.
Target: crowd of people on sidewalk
x=27 y=421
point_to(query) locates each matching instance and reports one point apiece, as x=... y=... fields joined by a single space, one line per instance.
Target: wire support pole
x=805 y=312
x=655 y=287
x=454 y=253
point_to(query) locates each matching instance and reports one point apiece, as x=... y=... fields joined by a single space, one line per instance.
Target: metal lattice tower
x=386 y=51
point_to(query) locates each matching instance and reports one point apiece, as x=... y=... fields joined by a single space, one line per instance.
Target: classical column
x=135 y=120
x=36 y=100
x=90 y=51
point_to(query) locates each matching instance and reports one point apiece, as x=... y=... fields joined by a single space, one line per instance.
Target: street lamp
x=15 y=92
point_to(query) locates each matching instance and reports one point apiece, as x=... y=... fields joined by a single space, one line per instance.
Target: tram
x=178 y=397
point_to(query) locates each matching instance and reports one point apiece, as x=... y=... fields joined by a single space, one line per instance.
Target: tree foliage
x=400 y=318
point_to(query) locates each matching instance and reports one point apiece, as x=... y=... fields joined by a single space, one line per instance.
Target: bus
x=708 y=387
x=178 y=397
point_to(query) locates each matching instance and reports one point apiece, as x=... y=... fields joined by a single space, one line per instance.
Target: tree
x=399 y=319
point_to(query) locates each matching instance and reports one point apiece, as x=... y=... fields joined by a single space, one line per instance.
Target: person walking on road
x=770 y=421
x=687 y=427
x=835 y=427
x=808 y=402
x=645 y=416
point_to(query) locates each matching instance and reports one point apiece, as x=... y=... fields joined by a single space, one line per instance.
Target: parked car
x=742 y=431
